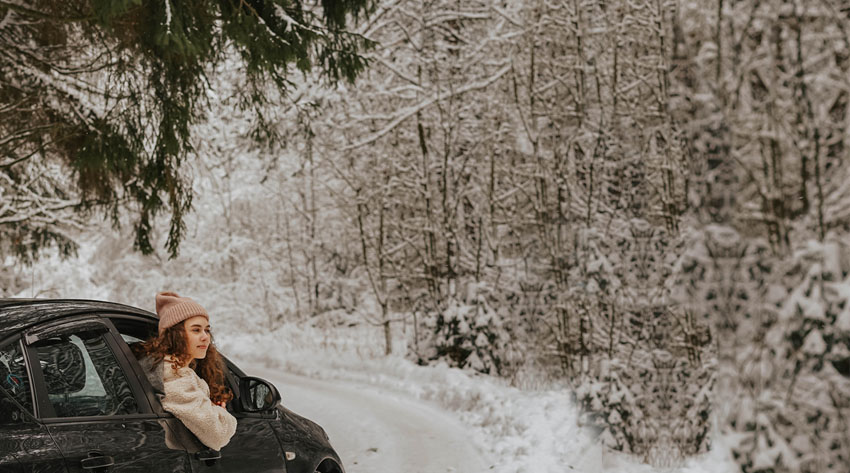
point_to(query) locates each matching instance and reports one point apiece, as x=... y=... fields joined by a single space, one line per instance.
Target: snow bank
x=517 y=430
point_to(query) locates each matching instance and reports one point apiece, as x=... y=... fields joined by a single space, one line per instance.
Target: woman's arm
x=186 y=398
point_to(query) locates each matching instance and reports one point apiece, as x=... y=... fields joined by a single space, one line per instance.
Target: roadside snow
x=516 y=431
x=374 y=430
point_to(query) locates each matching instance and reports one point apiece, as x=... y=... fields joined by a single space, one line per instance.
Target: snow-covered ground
x=384 y=412
x=443 y=412
x=490 y=426
x=376 y=430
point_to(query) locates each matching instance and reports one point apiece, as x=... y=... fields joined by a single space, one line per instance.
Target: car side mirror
x=257 y=395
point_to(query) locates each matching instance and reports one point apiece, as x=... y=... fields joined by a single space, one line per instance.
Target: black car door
x=253 y=449
x=91 y=403
x=25 y=444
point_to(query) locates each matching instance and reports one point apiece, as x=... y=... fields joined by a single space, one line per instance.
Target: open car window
x=134 y=332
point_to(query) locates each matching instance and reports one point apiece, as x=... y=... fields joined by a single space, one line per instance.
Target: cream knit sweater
x=187 y=396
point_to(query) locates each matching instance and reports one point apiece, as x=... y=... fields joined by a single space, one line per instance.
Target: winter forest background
x=643 y=202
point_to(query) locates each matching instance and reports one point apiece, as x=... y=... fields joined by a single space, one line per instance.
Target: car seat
x=64 y=374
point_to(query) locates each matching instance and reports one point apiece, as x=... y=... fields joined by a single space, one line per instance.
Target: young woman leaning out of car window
x=183 y=362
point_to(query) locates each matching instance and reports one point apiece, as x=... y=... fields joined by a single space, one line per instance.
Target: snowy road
x=378 y=432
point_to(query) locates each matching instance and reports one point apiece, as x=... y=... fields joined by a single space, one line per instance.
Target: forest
x=646 y=202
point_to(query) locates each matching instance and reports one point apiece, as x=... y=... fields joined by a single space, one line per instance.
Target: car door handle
x=97 y=462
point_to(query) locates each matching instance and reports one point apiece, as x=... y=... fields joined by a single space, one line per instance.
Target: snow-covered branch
x=411 y=111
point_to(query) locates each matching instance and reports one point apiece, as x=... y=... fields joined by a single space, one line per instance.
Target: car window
x=82 y=376
x=130 y=339
x=134 y=331
x=13 y=376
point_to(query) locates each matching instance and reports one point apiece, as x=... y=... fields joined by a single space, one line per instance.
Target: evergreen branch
x=14 y=46
x=243 y=3
x=123 y=96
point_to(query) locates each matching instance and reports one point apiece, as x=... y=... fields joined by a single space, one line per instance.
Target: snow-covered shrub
x=469 y=334
x=795 y=379
x=782 y=333
x=646 y=374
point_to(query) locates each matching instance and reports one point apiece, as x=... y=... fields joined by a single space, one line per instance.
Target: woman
x=183 y=363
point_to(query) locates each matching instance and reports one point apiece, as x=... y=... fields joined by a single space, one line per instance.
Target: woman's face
x=198 y=336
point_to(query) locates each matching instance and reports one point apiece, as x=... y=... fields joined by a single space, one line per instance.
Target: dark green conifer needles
x=110 y=88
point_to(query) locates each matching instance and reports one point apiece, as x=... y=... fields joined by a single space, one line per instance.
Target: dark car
x=75 y=399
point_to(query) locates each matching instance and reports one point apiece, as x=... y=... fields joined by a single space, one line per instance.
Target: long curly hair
x=172 y=342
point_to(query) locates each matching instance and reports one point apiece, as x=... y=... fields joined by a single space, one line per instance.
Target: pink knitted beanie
x=173 y=309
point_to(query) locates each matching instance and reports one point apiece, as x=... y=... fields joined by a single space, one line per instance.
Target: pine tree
x=97 y=99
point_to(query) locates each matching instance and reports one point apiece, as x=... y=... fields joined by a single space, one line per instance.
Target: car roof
x=18 y=314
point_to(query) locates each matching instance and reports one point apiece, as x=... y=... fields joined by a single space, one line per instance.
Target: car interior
x=83 y=378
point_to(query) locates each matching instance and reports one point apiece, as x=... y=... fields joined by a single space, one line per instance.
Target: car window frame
x=19 y=339
x=44 y=410
x=141 y=377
